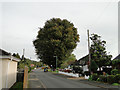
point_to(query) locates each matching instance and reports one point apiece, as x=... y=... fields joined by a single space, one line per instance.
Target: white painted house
x=8 y=69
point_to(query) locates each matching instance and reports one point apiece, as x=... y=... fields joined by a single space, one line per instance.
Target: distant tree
x=57 y=38
x=68 y=61
x=98 y=51
x=16 y=55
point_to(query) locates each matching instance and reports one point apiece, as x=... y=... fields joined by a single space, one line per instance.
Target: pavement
x=48 y=80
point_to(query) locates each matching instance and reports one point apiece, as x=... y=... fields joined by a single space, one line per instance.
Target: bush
x=87 y=73
x=95 y=76
x=90 y=78
x=103 y=78
x=111 y=79
x=107 y=70
x=98 y=79
x=114 y=72
x=99 y=72
x=117 y=78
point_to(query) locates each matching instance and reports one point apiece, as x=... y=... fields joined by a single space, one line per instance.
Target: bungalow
x=8 y=69
x=81 y=63
x=118 y=57
x=116 y=61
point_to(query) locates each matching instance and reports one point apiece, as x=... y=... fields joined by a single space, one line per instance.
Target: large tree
x=57 y=38
x=98 y=51
x=68 y=61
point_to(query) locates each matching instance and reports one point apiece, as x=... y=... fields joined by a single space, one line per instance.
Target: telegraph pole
x=89 y=50
x=23 y=53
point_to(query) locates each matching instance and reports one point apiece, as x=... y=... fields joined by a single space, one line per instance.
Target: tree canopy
x=98 y=52
x=26 y=62
x=69 y=60
x=57 y=38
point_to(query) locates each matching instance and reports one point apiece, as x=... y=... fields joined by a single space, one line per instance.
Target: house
x=117 y=60
x=8 y=69
x=82 y=62
x=118 y=57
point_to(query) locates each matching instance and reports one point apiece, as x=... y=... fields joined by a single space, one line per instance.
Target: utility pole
x=89 y=50
x=23 y=53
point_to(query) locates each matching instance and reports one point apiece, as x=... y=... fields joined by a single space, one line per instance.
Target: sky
x=21 y=21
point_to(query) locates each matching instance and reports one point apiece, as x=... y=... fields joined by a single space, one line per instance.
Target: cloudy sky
x=21 y=20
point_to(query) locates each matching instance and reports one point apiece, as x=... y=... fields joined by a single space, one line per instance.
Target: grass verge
x=18 y=85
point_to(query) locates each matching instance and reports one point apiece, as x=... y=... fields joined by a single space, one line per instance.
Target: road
x=50 y=80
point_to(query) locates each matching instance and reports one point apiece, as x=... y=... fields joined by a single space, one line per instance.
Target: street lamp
x=56 y=62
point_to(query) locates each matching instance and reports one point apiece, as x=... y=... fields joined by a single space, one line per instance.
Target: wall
x=11 y=73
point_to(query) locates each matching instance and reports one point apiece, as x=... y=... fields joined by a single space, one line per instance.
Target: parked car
x=67 y=70
x=46 y=69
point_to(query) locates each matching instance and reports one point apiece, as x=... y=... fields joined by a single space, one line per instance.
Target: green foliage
x=64 y=65
x=98 y=79
x=117 y=78
x=116 y=63
x=27 y=62
x=16 y=55
x=111 y=79
x=115 y=84
x=98 y=53
x=57 y=38
x=108 y=78
x=90 y=78
x=95 y=76
x=93 y=66
x=103 y=78
x=115 y=71
x=18 y=85
x=69 y=60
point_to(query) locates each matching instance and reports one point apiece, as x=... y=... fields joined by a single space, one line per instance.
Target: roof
x=85 y=58
x=82 y=60
x=6 y=55
x=118 y=57
x=2 y=52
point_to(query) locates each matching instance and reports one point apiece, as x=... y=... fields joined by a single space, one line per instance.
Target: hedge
x=111 y=79
x=95 y=76
x=103 y=78
x=115 y=71
x=117 y=78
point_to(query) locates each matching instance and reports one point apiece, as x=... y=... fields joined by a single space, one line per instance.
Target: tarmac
x=34 y=82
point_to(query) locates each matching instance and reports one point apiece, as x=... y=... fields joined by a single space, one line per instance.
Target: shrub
x=111 y=79
x=103 y=78
x=98 y=79
x=115 y=84
x=99 y=72
x=117 y=78
x=95 y=76
x=107 y=70
x=90 y=78
x=87 y=73
x=114 y=72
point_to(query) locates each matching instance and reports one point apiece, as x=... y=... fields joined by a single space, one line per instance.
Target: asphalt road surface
x=50 y=80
